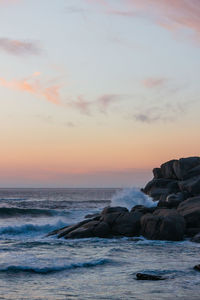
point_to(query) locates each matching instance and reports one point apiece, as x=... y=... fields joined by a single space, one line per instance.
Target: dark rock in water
x=190 y=210
x=163 y=224
x=143 y=276
x=196 y=238
x=197 y=268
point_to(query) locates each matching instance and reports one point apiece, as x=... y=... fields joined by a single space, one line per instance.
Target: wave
x=30 y=228
x=130 y=197
x=53 y=269
x=6 y=212
x=13 y=199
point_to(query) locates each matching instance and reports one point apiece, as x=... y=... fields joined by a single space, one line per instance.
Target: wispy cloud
x=19 y=47
x=33 y=85
x=172 y=15
x=165 y=112
x=154 y=82
x=105 y=101
x=82 y=105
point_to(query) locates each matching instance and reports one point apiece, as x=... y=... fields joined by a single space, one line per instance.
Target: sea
x=34 y=266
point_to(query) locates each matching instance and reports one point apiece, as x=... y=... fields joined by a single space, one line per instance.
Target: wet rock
x=144 y=276
x=163 y=224
x=190 y=210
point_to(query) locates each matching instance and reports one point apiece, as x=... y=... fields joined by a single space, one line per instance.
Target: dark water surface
x=33 y=266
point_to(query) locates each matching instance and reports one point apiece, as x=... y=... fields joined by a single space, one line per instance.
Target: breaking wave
x=6 y=212
x=130 y=197
x=30 y=228
x=53 y=269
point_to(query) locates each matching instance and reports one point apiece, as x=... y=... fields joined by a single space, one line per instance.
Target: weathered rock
x=190 y=210
x=163 y=224
x=143 y=276
x=182 y=166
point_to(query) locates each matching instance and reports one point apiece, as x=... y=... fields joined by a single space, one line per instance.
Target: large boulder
x=163 y=224
x=127 y=224
x=184 y=165
x=190 y=210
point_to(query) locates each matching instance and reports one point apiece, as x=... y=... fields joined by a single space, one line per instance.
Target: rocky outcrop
x=113 y=221
x=176 y=187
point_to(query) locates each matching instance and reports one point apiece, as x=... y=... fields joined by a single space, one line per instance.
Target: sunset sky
x=95 y=93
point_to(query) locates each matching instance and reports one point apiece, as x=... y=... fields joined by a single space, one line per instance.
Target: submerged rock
x=197 y=268
x=143 y=276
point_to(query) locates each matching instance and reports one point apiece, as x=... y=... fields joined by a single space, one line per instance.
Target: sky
x=96 y=93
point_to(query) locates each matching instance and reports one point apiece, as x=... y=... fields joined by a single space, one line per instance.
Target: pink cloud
x=82 y=105
x=18 y=47
x=153 y=82
x=172 y=15
x=35 y=87
x=106 y=100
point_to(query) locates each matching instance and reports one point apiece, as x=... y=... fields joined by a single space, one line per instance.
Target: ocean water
x=33 y=266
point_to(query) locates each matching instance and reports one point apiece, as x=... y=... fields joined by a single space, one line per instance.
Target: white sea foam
x=130 y=197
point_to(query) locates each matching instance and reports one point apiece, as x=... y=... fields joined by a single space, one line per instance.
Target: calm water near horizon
x=33 y=266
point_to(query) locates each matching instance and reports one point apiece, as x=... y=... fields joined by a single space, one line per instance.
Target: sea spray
x=130 y=197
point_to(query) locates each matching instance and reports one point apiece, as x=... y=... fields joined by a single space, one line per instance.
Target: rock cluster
x=176 y=187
